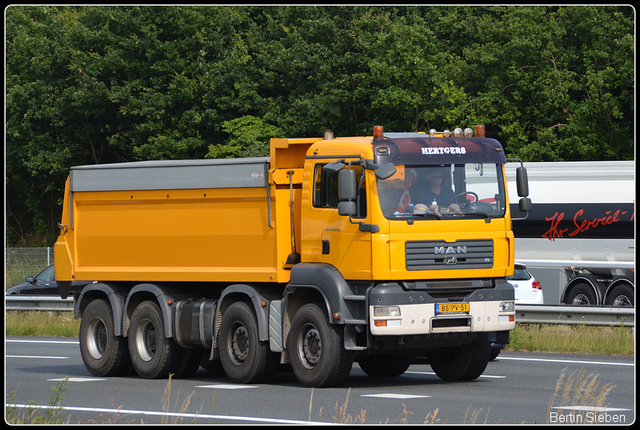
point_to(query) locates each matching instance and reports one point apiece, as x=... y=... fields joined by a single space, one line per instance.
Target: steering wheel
x=464 y=194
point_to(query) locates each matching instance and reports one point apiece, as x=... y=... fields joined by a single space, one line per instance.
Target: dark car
x=44 y=284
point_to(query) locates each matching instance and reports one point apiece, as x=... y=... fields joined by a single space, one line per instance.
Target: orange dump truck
x=330 y=250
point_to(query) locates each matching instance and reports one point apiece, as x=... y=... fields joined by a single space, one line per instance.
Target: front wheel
x=103 y=353
x=462 y=363
x=316 y=351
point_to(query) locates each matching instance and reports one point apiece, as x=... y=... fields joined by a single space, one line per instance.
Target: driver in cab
x=431 y=193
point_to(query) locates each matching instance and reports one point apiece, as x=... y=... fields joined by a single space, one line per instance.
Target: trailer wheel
x=385 y=365
x=152 y=354
x=316 y=351
x=103 y=353
x=581 y=294
x=462 y=363
x=621 y=295
x=244 y=358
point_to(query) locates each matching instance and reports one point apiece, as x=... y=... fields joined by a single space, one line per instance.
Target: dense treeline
x=106 y=84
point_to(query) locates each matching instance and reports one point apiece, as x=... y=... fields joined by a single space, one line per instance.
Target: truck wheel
x=152 y=354
x=385 y=365
x=462 y=363
x=316 y=351
x=244 y=358
x=103 y=353
x=581 y=294
x=621 y=295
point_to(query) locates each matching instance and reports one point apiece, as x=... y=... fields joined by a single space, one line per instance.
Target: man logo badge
x=450 y=259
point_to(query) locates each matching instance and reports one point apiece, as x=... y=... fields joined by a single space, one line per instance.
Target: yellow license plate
x=448 y=308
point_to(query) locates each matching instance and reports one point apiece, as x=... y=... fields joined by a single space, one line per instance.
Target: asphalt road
x=516 y=388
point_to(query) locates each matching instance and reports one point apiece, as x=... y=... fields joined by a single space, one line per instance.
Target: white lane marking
x=77 y=379
x=481 y=376
x=168 y=414
x=227 y=386
x=550 y=360
x=394 y=396
x=51 y=357
x=43 y=341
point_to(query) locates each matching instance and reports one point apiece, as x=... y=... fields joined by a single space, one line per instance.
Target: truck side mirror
x=334 y=166
x=522 y=182
x=347 y=208
x=385 y=171
x=347 y=185
x=525 y=204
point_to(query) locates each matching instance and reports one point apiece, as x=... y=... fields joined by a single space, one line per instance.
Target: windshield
x=443 y=191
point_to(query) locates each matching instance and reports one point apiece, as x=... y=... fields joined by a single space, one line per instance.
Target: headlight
x=386 y=311
x=506 y=307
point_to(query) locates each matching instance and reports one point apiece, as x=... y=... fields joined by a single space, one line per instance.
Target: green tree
x=102 y=84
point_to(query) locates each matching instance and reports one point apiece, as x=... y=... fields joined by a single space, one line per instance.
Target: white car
x=527 y=288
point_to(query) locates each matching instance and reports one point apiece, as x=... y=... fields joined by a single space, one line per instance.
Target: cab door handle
x=326 y=247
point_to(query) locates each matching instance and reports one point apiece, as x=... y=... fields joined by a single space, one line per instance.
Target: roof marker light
x=479 y=130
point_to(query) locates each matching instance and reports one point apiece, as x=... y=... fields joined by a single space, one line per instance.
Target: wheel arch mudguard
x=622 y=280
x=329 y=282
x=164 y=300
x=115 y=295
x=255 y=296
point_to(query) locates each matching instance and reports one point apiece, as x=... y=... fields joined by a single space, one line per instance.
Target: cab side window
x=325 y=190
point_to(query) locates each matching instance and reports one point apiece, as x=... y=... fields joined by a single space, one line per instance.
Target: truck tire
x=581 y=294
x=316 y=351
x=244 y=358
x=103 y=353
x=152 y=354
x=461 y=363
x=621 y=295
x=385 y=365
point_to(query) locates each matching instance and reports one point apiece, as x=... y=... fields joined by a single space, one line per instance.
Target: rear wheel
x=581 y=294
x=103 y=353
x=244 y=358
x=620 y=295
x=152 y=354
x=316 y=351
x=461 y=363
x=385 y=365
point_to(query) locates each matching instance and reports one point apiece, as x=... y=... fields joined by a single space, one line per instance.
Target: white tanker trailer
x=580 y=234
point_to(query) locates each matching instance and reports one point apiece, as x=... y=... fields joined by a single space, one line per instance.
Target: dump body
x=326 y=252
x=175 y=221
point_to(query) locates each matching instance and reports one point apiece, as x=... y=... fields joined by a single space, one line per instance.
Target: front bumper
x=414 y=313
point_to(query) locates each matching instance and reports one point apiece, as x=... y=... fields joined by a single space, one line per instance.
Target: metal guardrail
x=38 y=303
x=565 y=314
x=545 y=314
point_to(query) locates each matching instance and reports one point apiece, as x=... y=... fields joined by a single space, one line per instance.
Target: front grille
x=441 y=255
